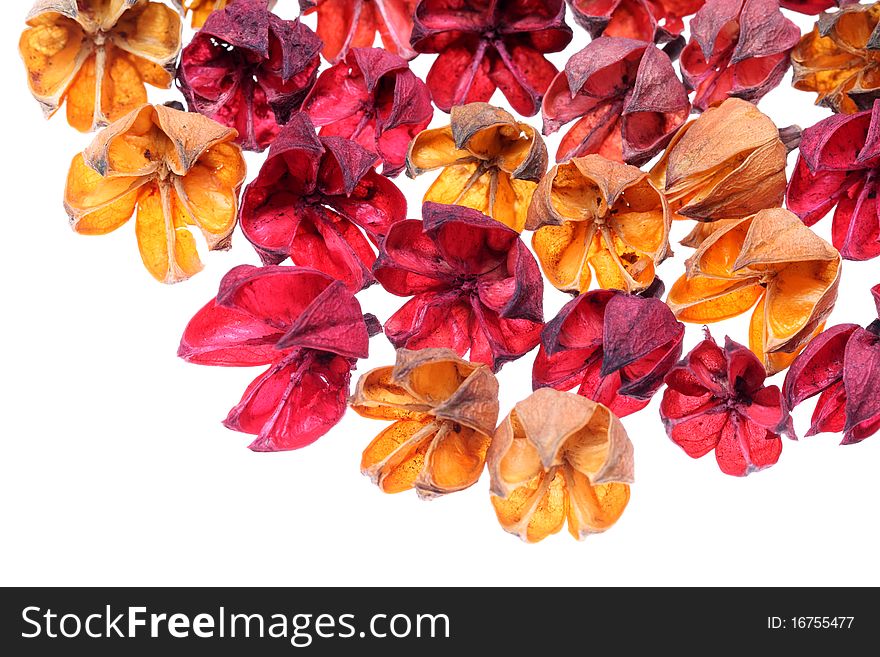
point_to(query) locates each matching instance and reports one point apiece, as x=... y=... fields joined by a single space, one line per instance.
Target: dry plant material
x=813 y=7
x=838 y=167
x=347 y=24
x=716 y=400
x=738 y=49
x=839 y=59
x=595 y=213
x=444 y=411
x=489 y=44
x=772 y=260
x=374 y=99
x=318 y=201
x=842 y=366
x=491 y=162
x=202 y=9
x=615 y=347
x=249 y=70
x=645 y=20
x=727 y=164
x=98 y=56
x=306 y=327
x=556 y=457
x=475 y=286
x=626 y=98
x=175 y=170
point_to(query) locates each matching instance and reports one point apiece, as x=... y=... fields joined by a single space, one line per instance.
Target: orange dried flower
x=840 y=59
x=177 y=169
x=728 y=163
x=445 y=410
x=771 y=259
x=98 y=56
x=594 y=212
x=491 y=162
x=559 y=456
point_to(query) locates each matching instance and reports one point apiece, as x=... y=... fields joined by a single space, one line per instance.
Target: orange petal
x=396 y=457
x=98 y=205
x=534 y=511
x=593 y=509
x=167 y=247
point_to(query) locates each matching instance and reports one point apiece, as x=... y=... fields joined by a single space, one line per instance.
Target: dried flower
x=176 y=169
x=489 y=44
x=373 y=98
x=249 y=70
x=475 y=285
x=841 y=366
x=559 y=456
x=98 y=56
x=727 y=164
x=444 y=411
x=812 y=7
x=716 y=399
x=737 y=49
x=626 y=96
x=646 y=20
x=346 y=24
x=839 y=59
x=838 y=167
x=307 y=327
x=773 y=260
x=311 y=200
x=592 y=212
x=491 y=162
x=616 y=347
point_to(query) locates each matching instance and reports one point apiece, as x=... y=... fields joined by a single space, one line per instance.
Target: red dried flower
x=716 y=399
x=475 y=285
x=373 y=98
x=617 y=347
x=310 y=199
x=647 y=20
x=346 y=24
x=302 y=323
x=627 y=97
x=738 y=49
x=249 y=70
x=489 y=44
x=813 y=7
x=842 y=366
x=837 y=167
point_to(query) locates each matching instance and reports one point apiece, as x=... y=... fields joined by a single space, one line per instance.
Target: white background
x=115 y=469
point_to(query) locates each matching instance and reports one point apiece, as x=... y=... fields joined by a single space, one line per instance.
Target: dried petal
x=812 y=7
x=313 y=198
x=98 y=56
x=489 y=44
x=772 y=259
x=727 y=164
x=307 y=327
x=374 y=99
x=716 y=400
x=445 y=410
x=250 y=70
x=491 y=162
x=176 y=169
x=557 y=457
x=838 y=59
x=592 y=212
x=646 y=20
x=475 y=286
x=737 y=50
x=626 y=97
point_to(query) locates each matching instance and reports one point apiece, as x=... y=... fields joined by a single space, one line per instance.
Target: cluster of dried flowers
x=324 y=199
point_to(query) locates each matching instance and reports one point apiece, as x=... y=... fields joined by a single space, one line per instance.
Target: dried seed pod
x=98 y=56
x=626 y=97
x=773 y=260
x=177 y=169
x=592 y=212
x=716 y=400
x=839 y=59
x=491 y=162
x=727 y=164
x=556 y=457
x=444 y=411
x=646 y=20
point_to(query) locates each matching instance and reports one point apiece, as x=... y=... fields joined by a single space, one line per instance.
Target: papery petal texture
x=646 y=20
